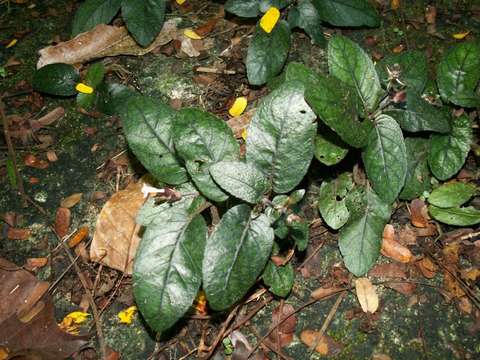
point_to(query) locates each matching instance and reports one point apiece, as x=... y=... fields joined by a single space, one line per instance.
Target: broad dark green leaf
x=294 y=72
x=200 y=174
x=361 y=237
x=237 y=252
x=385 y=158
x=168 y=264
x=299 y=231
x=305 y=16
x=331 y=202
x=458 y=74
x=264 y=5
x=203 y=137
x=243 y=8
x=329 y=148
x=347 y=12
x=144 y=19
x=147 y=124
x=448 y=152
x=451 y=194
x=56 y=79
x=336 y=105
x=279 y=279
x=242 y=180
x=348 y=62
x=455 y=216
x=418 y=176
x=94 y=12
x=419 y=115
x=93 y=78
x=113 y=97
x=409 y=67
x=267 y=53
x=280 y=139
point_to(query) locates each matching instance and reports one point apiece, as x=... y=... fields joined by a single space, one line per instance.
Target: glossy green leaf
x=458 y=74
x=409 y=67
x=264 y=5
x=294 y=72
x=348 y=62
x=279 y=279
x=455 y=216
x=451 y=194
x=329 y=148
x=331 y=201
x=448 y=152
x=56 y=79
x=299 y=231
x=93 y=78
x=237 y=252
x=112 y=97
x=242 y=180
x=167 y=267
x=200 y=174
x=419 y=115
x=243 y=8
x=336 y=105
x=418 y=176
x=360 y=239
x=280 y=139
x=267 y=53
x=144 y=19
x=147 y=124
x=385 y=158
x=305 y=16
x=347 y=12
x=203 y=137
x=94 y=12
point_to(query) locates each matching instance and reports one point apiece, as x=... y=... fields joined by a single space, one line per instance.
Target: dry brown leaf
x=283 y=334
x=419 y=213
x=35 y=263
x=407 y=235
x=102 y=41
x=366 y=295
x=451 y=285
x=322 y=292
x=62 y=221
x=451 y=253
x=380 y=356
x=470 y=274
x=391 y=270
x=18 y=234
x=427 y=267
x=116 y=236
x=405 y=288
x=71 y=201
x=48 y=119
x=239 y=123
x=34 y=162
x=325 y=345
x=393 y=249
x=79 y=236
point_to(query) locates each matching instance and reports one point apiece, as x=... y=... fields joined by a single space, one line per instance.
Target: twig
x=276 y=349
x=12 y=155
x=314 y=252
x=188 y=354
x=250 y=315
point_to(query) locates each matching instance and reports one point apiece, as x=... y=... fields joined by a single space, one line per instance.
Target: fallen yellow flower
x=244 y=134
x=191 y=34
x=238 y=107
x=84 y=89
x=180 y=2
x=126 y=316
x=71 y=322
x=460 y=36
x=11 y=43
x=270 y=19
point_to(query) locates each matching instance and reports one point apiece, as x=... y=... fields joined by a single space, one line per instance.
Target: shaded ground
x=93 y=159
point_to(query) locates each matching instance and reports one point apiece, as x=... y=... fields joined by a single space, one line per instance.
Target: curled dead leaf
x=427 y=267
x=390 y=270
x=392 y=248
x=419 y=213
x=322 y=292
x=325 y=345
x=71 y=201
x=18 y=234
x=62 y=221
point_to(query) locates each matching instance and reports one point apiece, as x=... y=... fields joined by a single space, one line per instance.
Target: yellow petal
x=244 y=134
x=76 y=317
x=84 y=89
x=191 y=34
x=270 y=19
x=126 y=316
x=181 y=2
x=238 y=106
x=460 y=36
x=11 y=43
x=200 y=303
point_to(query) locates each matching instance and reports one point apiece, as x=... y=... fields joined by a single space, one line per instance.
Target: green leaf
x=264 y=5
x=418 y=176
x=305 y=16
x=336 y=105
x=237 y=252
x=299 y=231
x=112 y=97
x=361 y=237
x=448 y=152
x=93 y=78
x=409 y=67
x=280 y=139
x=347 y=12
x=348 y=62
x=167 y=267
x=147 y=124
x=451 y=194
x=294 y=72
x=458 y=74
x=243 y=181
x=144 y=19
x=385 y=158
x=332 y=203
x=455 y=216
x=267 y=53
x=279 y=279
x=329 y=148
x=243 y=8
x=203 y=137
x=56 y=79
x=200 y=174
x=94 y=12
x=419 y=115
